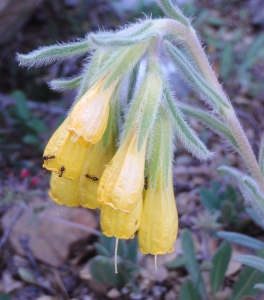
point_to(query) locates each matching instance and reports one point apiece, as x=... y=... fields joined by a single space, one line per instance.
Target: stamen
x=156 y=266
x=116 y=246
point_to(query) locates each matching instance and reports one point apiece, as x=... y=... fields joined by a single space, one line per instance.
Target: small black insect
x=93 y=178
x=61 y=171
x=47 y=157
x=146 y=183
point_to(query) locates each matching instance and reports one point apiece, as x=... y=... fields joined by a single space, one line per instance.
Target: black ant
x=45 y=172
x=61 y=171
x=146 y=183
x=46 y=157
x=93 y=178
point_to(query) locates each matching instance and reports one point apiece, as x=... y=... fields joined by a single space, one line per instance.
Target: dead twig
x=24 y=240
x=10 y=226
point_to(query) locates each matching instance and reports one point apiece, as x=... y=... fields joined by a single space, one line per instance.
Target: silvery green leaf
x=211 y=121
x=248 y=187
x=255 y=217
x=65 y=83
x=237 y=176
x=126 y=63
x=195 y=79
x=183 y=131
x=220 y=262
x=171 y=10
x=49 y=54
x=251 y=261
x=259 y=286
x=234 y=173
x=191 y=262
x=261 y=156
x=253 y=190
x=241 y=239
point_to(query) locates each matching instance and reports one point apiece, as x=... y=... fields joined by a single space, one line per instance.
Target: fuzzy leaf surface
x=187 y=136
x=211 y=121
x=49 y=54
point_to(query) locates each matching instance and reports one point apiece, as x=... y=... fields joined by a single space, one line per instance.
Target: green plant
x=145 y=120
x=249 y=279
x=25 y=126
x=102 y=266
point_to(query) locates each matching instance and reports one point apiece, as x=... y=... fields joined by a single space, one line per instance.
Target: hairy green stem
x=190 y=40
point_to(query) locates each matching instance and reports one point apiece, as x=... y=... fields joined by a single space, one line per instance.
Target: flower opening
x=123 y=179
x=159 y=221
x=89 y=117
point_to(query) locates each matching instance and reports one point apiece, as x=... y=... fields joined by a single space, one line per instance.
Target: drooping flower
x=64 y=191
x=97 y=160
x=89 y=116
x=159 y=221
x=123 y=179
x=62 y=155
x=120 y=224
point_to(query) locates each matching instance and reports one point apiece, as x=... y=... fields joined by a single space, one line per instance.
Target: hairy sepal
x=144 y=107
x=129 y=60
x=91 y=72
x=183 y=131
x=160 y=148
x=64 y=84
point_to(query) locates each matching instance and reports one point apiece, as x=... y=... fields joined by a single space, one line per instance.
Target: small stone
x=171 y=295
x=50 y=235
x=113 y=294
x=45 y=298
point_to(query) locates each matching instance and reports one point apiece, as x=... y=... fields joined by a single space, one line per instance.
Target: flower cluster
x=89 y=171
x=114 y=151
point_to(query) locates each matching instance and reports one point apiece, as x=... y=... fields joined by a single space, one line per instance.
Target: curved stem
x=190 y=40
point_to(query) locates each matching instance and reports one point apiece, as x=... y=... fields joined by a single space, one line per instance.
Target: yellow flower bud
x=122 y=182
x=62 y=155
x=159 y=221
x=120 y=224
x=89 y=116
x=64 y=191
x=99 y=156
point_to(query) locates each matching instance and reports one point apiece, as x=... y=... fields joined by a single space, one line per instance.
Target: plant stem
x=191 y=41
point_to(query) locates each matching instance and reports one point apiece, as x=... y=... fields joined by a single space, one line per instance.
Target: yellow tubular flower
x=89 y=116
x=122 y=182
x=120 y=224
x=96 y=162
x=62 y=155
x=159 y=221
x=64 y=191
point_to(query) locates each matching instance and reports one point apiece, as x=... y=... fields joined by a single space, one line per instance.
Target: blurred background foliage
x=232 y=34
